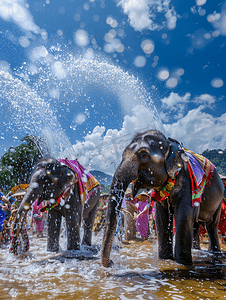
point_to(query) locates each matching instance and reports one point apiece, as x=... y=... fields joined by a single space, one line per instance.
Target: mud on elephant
x=58 y=183
x=153 y=161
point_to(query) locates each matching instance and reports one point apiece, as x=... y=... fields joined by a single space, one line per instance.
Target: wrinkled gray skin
x=50 y=179
x=151 y=158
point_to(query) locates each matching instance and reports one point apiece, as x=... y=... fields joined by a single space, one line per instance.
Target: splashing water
x=52 y=98
x=29 y=113
x=137 y=274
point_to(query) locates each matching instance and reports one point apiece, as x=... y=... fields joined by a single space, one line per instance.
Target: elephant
x=153 y=161
x=56 y=182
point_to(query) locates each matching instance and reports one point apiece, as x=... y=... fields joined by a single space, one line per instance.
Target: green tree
x=105 y=189
x=17 y=164
x=218 y=158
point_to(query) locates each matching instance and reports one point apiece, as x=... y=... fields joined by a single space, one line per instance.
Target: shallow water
x=137 y=274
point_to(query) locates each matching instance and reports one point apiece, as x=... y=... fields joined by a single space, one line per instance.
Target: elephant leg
x=212 y=229
x=196 y=239
x=73 y=222
x=54 y=223
x=89 y=214
x=184 y=221
x=164 y=229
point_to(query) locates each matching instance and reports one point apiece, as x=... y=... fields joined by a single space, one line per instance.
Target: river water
x=137 y=273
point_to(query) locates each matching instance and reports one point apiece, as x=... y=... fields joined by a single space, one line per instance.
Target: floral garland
x=160 y=194
x=49 y=205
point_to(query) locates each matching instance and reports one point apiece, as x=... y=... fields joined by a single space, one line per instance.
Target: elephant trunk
x=31 y=195
x=109 y=232
x=123 y=176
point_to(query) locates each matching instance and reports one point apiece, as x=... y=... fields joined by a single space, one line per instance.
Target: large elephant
x=56 y=182
x=153 y=161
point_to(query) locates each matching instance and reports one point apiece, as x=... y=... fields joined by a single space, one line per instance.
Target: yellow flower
x=162 y=194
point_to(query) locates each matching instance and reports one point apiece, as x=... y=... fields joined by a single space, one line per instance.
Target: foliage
x=105 y=189
x=17 y=164
x=218 y=158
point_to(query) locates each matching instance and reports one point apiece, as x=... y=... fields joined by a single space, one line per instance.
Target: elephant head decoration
x=153 y=161
x=51 y=180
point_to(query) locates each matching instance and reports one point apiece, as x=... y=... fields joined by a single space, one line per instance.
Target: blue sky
x=88 y=75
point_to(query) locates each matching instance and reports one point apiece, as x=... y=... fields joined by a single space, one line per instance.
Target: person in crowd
x=3 y=208
x=142 y=209
x=38 y=217
x=101 y=212
x=8 y=211
x=6 y=233
x=19 y=194
x=222 y=223
x=129 y=220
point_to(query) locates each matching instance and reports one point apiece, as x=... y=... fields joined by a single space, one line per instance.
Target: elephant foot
x=87 y=243
x=87 y=239
x=53 y=249
x=165 y=253
x=108 y=265
x=185 y=263
x=166 y=256
x=184 y=260
x=94 y=248
x=214 y=249
x=73 y=247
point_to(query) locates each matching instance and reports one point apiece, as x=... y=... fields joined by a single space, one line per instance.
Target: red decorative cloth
x=198 y=183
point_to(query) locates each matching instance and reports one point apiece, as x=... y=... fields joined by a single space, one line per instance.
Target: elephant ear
x=174 y=161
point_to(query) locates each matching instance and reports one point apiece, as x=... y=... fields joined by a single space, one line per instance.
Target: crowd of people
x=9 y=205
x=139 y=210
x=137 y=217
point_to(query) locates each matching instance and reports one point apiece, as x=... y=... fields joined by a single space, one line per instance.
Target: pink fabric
x=142 y=221
x=37 y=210
x=86 y=181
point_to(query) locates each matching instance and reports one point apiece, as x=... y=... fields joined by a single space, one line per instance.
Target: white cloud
x=218 y=21
x=18 y=12
x=102 y=150
x=205 y=99
x=174 y=101
x=141 y=13
x=199 y=131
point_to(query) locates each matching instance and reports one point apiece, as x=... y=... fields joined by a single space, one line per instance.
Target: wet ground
x=136 y=274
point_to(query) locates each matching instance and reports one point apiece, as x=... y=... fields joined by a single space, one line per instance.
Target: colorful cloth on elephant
x=200 y=171
x=142 y=220
x=86 y=181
